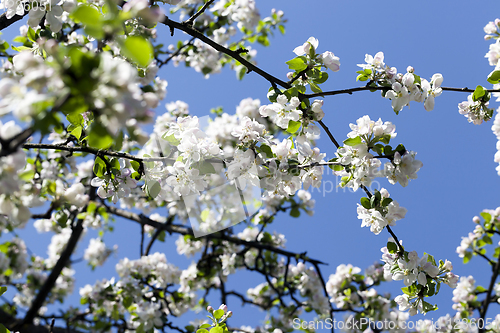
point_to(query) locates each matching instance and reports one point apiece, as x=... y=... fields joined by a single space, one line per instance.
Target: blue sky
x=458 y=178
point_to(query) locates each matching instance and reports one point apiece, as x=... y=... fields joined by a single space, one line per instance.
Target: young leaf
x=297 y=64
x=494 y=77
x=138 y=49
x=478 y=93
x=293 y=126
x=365 y=202
x=218 y=313
x=353 y=141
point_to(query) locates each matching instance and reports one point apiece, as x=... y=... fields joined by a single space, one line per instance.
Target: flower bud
x=210 y=309
x=223 y=307
x=229 y=314
x=476 y=219
x=448 y=265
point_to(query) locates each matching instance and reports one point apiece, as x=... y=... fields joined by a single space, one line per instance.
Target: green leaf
x=88 y=15
x=99 y=136
x=406 y=291
x=314 y=87
x=365 y=202
x=392 y=247
x=293 y=126
x=205 y=214
x=138 y=49
x=353 y=141
x=32 y=34
x=135 y=165
x=3 y=329
x=478 y=93
x=217 y=329
x=385 y=202
x=77 y=132
x=20 y=48
x=385 y=138
x=161 y=236
x=3 y=290
x=486 y=216
x=26 y=176
x=298 y=64
x=323 y=76
x=201 y=330
x=467 y=257
x=153 y=188
x=267 y=150
x=494 y=77
x=295 y=212
x=206 y=168
x=337 y=167
x=218 y=313
x=487 y=239
x=171 y=139
x=205 y=326
x=99 y=167
x=480 y=289
x=362 y=77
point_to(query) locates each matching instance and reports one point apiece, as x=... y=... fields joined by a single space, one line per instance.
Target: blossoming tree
x=76 y=92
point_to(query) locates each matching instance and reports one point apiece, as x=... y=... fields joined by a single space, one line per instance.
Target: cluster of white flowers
x=243 y=12
x=464 y=293
x=496 y=130
x=282 y=111
x=137 y=278
x=262 y=294
x=13 y=260
x=116 y=187
x=327 y=58
x=378 y=218
x=340 y=281
x=403 y=168
x=28 y=81
x=118 y=95
x=361 y=168
x=97 y=252
x=475 y=111
x=35 y=277
x=307 y=282
x=468 y=241
x=414 y=271
x=404 y=88
x=493 y=55
x=15 y=194
x=491 y=29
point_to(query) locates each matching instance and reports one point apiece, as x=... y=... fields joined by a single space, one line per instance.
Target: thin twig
x=352 y=90
x=487 y=300
x=330 y=135
x=190 y=21
x=233 y=54
x=179 y=229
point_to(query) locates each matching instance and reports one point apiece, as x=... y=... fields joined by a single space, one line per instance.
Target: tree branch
x=54 y=274
x=174 y=228
x=352 y=90
x=6 y=22
x=190 y=21
x=487 y=300
x=330 y=135
x=233 y=54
